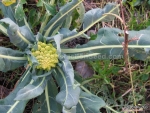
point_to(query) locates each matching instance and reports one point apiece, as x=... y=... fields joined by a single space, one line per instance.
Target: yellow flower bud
x=37 y=52
x=39 y=47
x=53 y=49
x=47 y=47
x=42 y=49
x=46 y=56
x=43 y=44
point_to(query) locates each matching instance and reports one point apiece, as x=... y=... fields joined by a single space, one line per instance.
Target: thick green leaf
x=31 y=59
x=136 y=2
x=35 y=77
x=39 y=3
x=32 y=17
x=7 y=12
x=23 y=1
x=8 y=21
x=68 y=95
x=57 y=39
x=32 y=90
x=81 y=12
x=11 y=52
x=19 y=36
x=28 y=92
x=17 y=40
x=35 y=18
x=47 y=102
x=89 y=103
x=51 y=10
x=19 y=12
x=94 y=16
x=109 y=43
x=72 y=110
x=11 y=59
x=10 y=12
x=58 y=19
x=8 y=104
x=40 y=37
x=67 y=22
x=3 y=29
x=149 y=2
x=66 y=32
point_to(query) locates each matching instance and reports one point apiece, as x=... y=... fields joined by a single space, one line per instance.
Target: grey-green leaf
x=39 y=3
x=72 y=110
x=96 y=15
x=7 y=12
x=3 y=29
x=50 y=9
x=109 y=43
x=57 y=39
x=67 y=22
x=68 y=95
x=89 y=103
x=66 y=32
x=19 y=36
x=23 y=1
x=19 y=12
x=28 y=92
x=8 y=103
x=12 y=11
x=8 y=21
x=60 y=17
x=32 y=90
x=11 y=59
x=81 y=11
x=43 y=105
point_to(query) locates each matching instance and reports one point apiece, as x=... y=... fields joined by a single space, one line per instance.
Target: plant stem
x=12 y=107
x=44 y=23
x=82 y=87
x=82 y=57
x=86 y=90
x=114 y=111
x=126 y=49
x=3 y=30
x=79 y=50
x=52 y=2
x=13 y=57
x=126 y=56
x=23 y=38
x=47 y=99
x=125 y=37
x=132 y=86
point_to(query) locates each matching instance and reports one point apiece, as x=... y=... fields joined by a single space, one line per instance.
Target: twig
x=126 y=55
x=125 y=38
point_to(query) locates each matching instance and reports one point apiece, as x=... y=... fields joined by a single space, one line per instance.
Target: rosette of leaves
x=49 y=75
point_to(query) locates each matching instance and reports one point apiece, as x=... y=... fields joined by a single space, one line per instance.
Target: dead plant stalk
x=126 y=55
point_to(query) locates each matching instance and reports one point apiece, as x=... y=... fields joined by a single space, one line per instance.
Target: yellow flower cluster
x=46 y=55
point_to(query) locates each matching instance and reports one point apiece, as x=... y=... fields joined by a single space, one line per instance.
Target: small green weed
x=103 y=73
x=139 y=15
x=114 y=86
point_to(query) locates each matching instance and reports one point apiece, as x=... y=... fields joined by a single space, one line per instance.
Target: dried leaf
x=84 y=70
